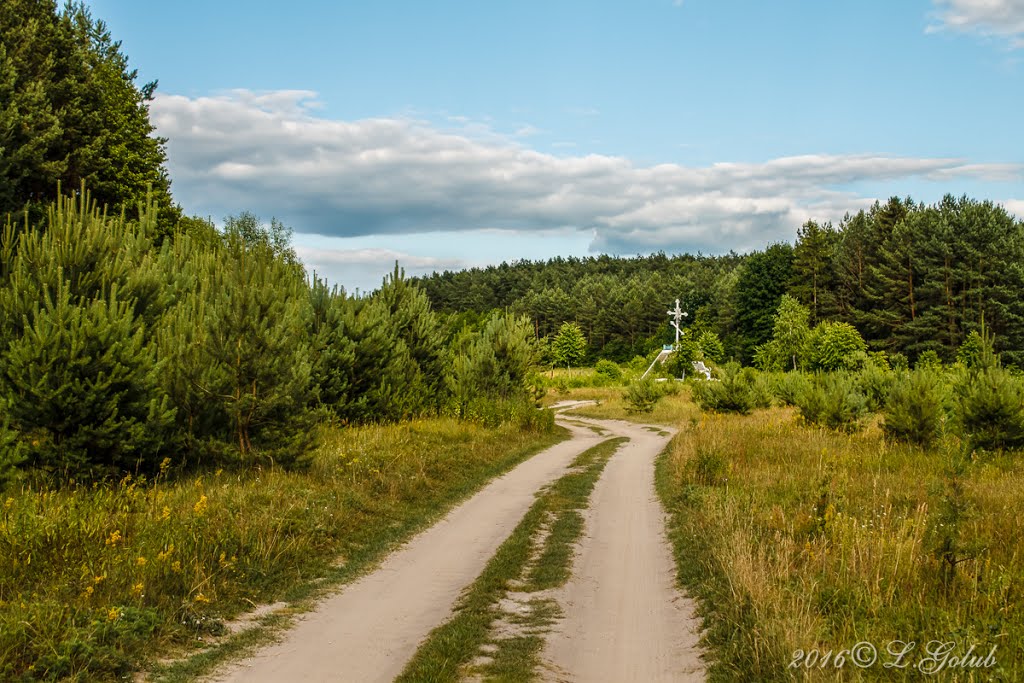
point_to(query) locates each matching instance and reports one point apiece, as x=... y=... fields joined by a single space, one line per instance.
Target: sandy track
x=624 y=620
x=370 y=629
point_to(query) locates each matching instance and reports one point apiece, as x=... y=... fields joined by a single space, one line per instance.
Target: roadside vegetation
x=97 y=580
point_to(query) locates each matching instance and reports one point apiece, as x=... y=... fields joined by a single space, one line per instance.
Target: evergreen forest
x=910 y=278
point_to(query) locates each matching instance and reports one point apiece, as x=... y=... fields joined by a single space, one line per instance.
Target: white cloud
x=364 y=269
x=1015 y=206
x=989 y=18
x=374 y=256
x=270 y=153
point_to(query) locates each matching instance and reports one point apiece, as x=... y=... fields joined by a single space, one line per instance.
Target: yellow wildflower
x=200 y=507
x=176 y=567
x=87 y=593
x=140 y=561
x=166 y=553
x=113 y=614
x=138 y=588
x=166 y=514
x=99 y=579
x=200 y=598
x=114 y=538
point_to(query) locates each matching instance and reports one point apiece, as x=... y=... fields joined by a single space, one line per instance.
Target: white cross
x=677 y=319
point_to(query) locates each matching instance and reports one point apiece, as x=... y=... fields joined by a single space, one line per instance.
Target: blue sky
x=451 y=134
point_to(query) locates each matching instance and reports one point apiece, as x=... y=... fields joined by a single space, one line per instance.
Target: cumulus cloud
x=365 y=268
x=989 y=18
x=271 y=153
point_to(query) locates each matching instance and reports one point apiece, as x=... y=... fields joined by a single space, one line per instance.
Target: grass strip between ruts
x=455 y=643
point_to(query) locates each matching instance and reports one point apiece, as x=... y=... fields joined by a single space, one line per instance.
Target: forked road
x=621 y=606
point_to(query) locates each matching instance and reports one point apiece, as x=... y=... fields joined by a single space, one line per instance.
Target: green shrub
x=639 y=363
x=833 y=400
x=734 y=393
x=787 y=386
x=970 y=352
x=711 y=347
x=607 y=368
x=641 y=395
x=680 y=363
x=991 y=409
x=670 y=387
x=915 y=409
x=760 y=388
x=875 y=382
x=898 y=361
x=492 y=413
x=834 y=346
x=928 y=360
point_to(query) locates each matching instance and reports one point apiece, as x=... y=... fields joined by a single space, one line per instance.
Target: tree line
x=910 y=278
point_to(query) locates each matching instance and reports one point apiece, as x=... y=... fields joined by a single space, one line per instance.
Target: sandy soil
x=370 y=629
x=624 y=620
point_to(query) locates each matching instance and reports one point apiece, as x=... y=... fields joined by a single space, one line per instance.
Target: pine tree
x=385 y=382
x=915 y=410
x=79 y=376
x=250 y=317
x=711 y=346
x=70 y=111
x=814 y=281
x=333 y=352
x=30 y=127
x=414 y=322
x=496 y=364
x=896 y=278
x=759 y=289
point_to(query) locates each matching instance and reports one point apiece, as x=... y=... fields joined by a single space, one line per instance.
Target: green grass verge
x=455 y=643
x=98 y=582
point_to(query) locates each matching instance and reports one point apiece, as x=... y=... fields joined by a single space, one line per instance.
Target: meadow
x=100 y=580
x=796 y=538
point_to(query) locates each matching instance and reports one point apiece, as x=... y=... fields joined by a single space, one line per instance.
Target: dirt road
x=623 y=618
x=370 y=629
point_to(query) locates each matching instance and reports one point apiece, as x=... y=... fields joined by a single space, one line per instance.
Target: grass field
x=96 y=581
x=801 y=542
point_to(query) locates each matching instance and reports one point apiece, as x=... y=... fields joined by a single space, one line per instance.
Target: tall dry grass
x=796 y=538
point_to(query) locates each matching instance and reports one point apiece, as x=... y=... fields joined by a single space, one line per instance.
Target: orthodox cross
x=677 y=319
